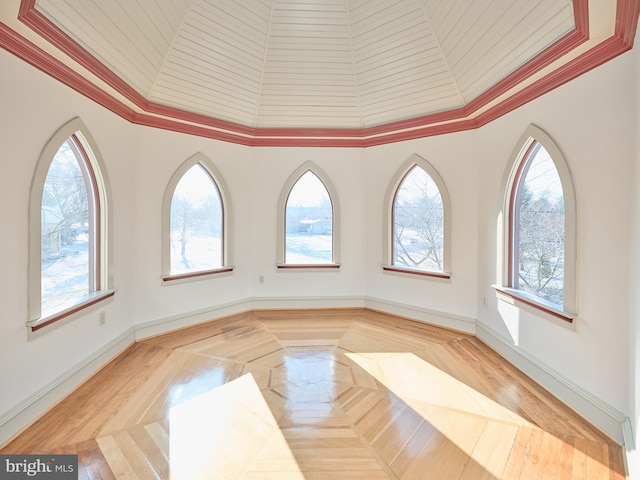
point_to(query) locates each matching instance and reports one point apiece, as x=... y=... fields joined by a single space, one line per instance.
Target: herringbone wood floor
x=340 y=394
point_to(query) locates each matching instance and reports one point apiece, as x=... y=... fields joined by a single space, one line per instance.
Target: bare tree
x=191 y=219
x=65 y=199
x=540 y=245
x=418 y=223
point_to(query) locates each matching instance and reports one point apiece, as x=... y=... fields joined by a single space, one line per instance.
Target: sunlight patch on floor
x=417 y=383
x=219 y=434
x=472 y=422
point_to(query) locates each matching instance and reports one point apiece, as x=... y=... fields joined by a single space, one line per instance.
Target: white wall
x=634 y=288
x=158 y=155
x=592 y=119
x=271 y=168
x=454 y=157
x=32 y=108
x=255 y=179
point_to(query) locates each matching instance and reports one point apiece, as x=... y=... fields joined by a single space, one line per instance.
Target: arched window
x=69 y=267
x=195 y=222
x=540 y=227
x=419 y=221
x=308 y=220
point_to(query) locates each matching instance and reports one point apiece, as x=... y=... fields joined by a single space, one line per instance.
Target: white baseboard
x=188 y=319
x=341 y=301
x=433 y=317
x=607 y=418
x=32 y=407
x=175 y=322
x=631 y=455
x=18 y=417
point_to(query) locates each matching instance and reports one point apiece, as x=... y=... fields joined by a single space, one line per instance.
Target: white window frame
x=167 y=277
x=504 y=286
x=102 y=279
x=388 y=266
x=281 y=220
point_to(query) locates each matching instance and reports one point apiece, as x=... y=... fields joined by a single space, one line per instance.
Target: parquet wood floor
x=340 y=394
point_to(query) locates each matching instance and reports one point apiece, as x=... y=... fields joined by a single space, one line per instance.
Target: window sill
x=191 y=276
x=415 y=271
x=536 y=303
x=308 y=266
x=86 y=302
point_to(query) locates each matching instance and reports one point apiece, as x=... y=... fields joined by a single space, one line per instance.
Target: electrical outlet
x=260 y=278
x=103 y=318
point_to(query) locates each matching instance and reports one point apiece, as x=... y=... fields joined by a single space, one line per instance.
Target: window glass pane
x=309 y=222
x=196 y=223
x=540 y=232
x=66 y=231
x=418 y=223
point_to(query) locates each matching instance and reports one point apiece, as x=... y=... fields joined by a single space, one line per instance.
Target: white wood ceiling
x=312 y=63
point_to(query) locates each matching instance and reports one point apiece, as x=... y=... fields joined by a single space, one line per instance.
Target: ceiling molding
x=503 y=97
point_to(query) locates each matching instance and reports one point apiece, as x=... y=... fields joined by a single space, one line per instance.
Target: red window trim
x=286 y=206
x=316 y=266
x=200 y=273
x=93 y=299
x=518 y=296
x=413 y=271
x=515 y=188
x=510 y=290
x=393 y=229
x=95 y=293
x=218 y=191
x=95 y=218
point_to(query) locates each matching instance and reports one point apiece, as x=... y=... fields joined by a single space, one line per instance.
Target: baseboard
x=602 y=415
x=433 y=317
x=599 y=413
x=32 y=407
x=17 y=418
x=176 y=322
x=303 y=303
x=632 y=459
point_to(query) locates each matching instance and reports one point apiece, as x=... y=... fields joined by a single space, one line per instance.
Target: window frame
x=96 y=182
x=167 y=277
x=390 y=198
x=521 y=156
x=282 y=214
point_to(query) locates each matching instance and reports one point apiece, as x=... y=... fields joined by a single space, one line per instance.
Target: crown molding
x=504 y=97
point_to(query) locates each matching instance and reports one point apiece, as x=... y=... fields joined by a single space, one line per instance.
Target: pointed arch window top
x=418 y=223
x=69 y=229
x=308 y=223
x=195 y=223
x=539 y=231
x=538 y=242
x=419 y=239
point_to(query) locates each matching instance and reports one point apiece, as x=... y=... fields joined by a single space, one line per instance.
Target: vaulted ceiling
x=312 y=63
x=314 y=69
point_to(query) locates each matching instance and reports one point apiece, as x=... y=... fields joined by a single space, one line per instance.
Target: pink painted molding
x=102 y=296
x=202 y=273
x=413 y=271
x=306 y=266
x=513 y=294
x=465 y=118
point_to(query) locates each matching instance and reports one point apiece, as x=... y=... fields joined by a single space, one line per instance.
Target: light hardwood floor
x=339 y=394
